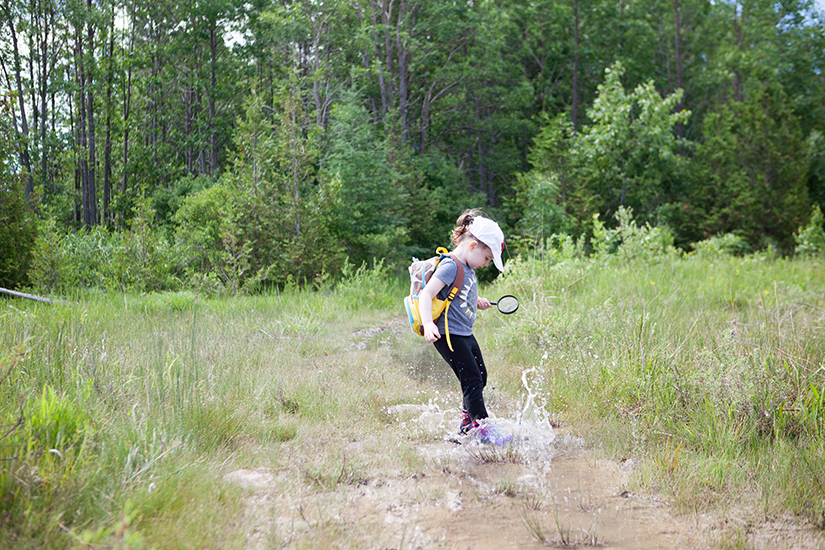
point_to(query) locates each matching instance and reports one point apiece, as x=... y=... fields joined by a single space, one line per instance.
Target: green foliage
x=630 y=241
x=750 y=177
x=438 y=103
x=810 y=240
x=274 y=176
x=145 y=261
x=54 y=422
x=629 y=153
x=816 y=167
x=366 y=287
x=438 y=195
x=209 y=241
x=52 y=268
x=137 y=258
x=541 y=214
x=366 y=201
x=167 y=200
x=720 y=246
x=18 y=225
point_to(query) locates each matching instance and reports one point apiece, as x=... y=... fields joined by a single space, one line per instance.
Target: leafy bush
x=720 y=246
x=210 y=241
x=810 y=240
x=51 y=268
x=366 y=286
x=166 y=201
x=138 y=258
x=18 y=227
x=145 y=261
x=630 y=241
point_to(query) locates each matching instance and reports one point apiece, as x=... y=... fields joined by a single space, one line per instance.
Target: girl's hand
x=484 y=303
x=431 y=333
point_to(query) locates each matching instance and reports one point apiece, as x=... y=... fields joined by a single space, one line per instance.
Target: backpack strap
x=455 y=288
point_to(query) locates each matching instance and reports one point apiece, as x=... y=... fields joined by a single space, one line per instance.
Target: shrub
x=52 y=268
x=18 y=229
x=210 y=239
x=630 y=241
x=366 y=286
x=810 y=240
x=720 y=246
x=138 y=258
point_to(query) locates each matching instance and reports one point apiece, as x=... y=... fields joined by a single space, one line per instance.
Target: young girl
x=476 y=241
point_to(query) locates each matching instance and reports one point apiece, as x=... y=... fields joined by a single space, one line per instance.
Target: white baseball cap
x=488 y=232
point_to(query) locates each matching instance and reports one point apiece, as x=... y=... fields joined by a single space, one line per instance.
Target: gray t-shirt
x=462 y=313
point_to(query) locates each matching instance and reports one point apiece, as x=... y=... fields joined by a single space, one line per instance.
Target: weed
x=329 y=477
x=532 y=500
x=668 y=460
x=507 y=488
x=494 y=454
x=441 y=464
x=532 y=522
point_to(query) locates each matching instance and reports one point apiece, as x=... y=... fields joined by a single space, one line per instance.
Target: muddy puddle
x=517 y=483
x=537 y=489
x=561 y=498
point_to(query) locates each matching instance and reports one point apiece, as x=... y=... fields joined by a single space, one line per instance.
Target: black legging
x=468 y=365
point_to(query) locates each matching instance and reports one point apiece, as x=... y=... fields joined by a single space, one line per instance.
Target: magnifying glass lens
x=508 y=304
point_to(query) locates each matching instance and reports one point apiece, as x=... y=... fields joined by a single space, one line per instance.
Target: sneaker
x=467 y=423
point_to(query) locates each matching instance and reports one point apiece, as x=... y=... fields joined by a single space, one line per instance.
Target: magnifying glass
x=507 y=304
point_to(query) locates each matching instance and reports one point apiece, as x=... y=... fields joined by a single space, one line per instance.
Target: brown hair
x=462 y=226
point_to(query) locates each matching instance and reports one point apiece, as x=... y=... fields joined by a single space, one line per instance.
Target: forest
x=237 y=146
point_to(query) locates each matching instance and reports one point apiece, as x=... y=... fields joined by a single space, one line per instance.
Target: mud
x=529 y=487
x=469 y=495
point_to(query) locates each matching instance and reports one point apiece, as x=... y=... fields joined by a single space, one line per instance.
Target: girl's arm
x=425 y=308
x=484 y=303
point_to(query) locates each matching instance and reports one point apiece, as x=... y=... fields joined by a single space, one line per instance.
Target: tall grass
x=721 y=358
x=118 y=411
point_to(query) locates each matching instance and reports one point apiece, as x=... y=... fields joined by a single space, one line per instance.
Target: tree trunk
x=82 y=161
x=680 y=127
x=381 y=84
x=127 y=103
x=213 y=114
x=189 y=151
x=574 y=114
x=45 y=72
x=92 y=217
x=24 y=126
x=386 y=17
x=107 y=151
x=737 y=33
x=403 y=61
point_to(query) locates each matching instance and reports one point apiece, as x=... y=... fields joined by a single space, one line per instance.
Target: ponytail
x=462 y=226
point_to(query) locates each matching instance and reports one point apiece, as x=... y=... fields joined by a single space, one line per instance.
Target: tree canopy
x=331 y=129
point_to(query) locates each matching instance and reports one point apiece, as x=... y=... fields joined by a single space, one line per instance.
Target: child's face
x=479 y=255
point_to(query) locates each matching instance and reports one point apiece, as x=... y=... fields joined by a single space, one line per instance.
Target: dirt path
x=567 y=498
x=467 y=496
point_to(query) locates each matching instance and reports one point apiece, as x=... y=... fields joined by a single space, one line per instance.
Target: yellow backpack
x=420 y=273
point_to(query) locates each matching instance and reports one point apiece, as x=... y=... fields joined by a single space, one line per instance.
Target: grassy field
x=122 y=414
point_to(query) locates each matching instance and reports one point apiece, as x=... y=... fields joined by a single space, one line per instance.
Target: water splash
x=532 y=412
x=531 y=429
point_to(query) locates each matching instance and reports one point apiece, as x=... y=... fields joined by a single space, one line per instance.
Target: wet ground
x=469 y=495
x=521 y=484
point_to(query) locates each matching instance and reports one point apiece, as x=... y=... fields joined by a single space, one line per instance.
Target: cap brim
x=498 y=262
